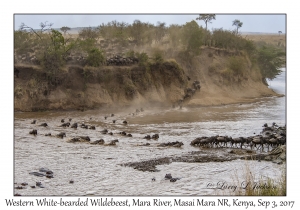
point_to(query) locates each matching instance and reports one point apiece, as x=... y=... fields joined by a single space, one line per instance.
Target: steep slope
x=171 y=82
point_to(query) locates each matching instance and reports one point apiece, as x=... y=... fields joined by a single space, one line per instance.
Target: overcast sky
x=268 y=23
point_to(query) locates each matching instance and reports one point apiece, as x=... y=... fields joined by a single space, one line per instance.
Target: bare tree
x=238 y=24
x=206 y=18
x=44 y=27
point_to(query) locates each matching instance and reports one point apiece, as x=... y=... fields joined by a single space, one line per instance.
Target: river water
x=95 y=169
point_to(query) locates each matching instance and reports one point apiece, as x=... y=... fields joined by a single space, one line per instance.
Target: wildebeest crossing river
x=82 y=168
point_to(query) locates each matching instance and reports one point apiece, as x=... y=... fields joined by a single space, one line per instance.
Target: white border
x=116 y=6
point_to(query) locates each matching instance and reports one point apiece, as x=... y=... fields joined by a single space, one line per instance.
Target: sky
x=266 y=23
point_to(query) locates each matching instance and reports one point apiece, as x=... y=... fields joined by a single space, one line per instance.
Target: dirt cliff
x=167 y=83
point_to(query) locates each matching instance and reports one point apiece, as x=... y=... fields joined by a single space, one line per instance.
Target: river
x=95 y=169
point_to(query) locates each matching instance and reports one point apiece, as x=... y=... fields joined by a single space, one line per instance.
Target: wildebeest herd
x=87 y=139
x=79 y=138
x=189 y=92
x=118 y=60
x=271 y=136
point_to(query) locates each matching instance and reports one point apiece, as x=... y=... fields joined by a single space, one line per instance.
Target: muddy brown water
x=95 y=169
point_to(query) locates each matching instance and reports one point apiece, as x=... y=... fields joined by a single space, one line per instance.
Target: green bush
x=250 y=48
x=231 y=40
x=193 y=37
x=52 y=60
x=270 y=60
x=53 y=56
x=236 y=64
x=143 y=58
x=23 y=41
x=87 y=44
x=130 y=53
x=95 y=58
x=158 y=56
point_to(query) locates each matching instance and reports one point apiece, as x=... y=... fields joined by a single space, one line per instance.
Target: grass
x=259 y=186
x=236 y=64
x=275 y=40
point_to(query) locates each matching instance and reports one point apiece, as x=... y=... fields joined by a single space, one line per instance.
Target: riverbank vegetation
x=252 y=185
x=119 y=64
x=92 y=46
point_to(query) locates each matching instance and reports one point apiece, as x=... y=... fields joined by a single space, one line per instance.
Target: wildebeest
x=168 y=176
x=104 y=131
x=100 y=141
x=74 y=125
x=196 y=85
x=65 y=124
x=44 y=124
x=112 y=143
x=121 y=61
x=84 y=138
x=61 y=135
x=33 y=132
x=92 y=127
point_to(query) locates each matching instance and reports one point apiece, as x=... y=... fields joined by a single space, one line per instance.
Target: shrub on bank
x=157 y=56
x=236 y=64
x=95 y=57
x=51 y=49
x=143 y=58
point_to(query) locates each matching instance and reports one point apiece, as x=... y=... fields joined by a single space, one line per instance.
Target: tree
x=88 y=33
x=52 y=58
x=95 y=57
x=280 y=32
x=65 y=29
x=238 y=24
x=174 y=32
x=53 y=55
x=44 y=27
x=121 y=32
x=270 y=60
x=206 y=18
x=192 y=37
x=160 y=31
x=136 y=31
